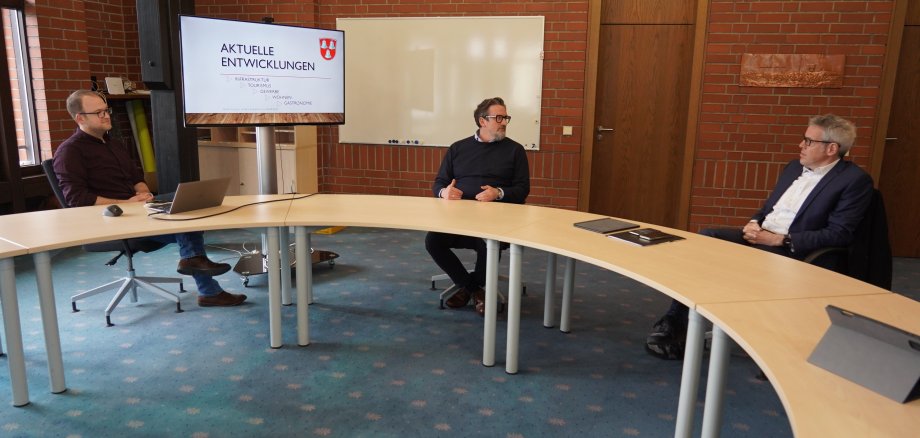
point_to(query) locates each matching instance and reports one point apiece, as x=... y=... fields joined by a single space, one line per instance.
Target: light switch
x=566 y=130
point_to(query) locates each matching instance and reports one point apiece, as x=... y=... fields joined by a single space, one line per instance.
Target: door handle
x=891 y=139
x=601 y=130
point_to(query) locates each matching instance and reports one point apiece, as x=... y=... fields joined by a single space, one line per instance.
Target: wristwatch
x=787 y=242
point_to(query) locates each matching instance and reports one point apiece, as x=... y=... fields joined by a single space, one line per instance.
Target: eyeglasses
x=106 y=111
x=499 y=118
x=809 y=141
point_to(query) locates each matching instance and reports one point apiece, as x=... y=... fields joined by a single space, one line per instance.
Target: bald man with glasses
x=818 y=202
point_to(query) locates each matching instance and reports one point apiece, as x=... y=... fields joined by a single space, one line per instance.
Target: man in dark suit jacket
x=819 y=200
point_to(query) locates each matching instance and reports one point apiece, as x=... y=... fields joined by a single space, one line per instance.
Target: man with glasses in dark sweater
x=486 y=167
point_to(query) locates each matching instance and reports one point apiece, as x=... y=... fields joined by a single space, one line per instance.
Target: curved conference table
x=771 y=305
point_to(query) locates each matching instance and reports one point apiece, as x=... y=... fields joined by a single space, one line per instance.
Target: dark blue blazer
x=831 y=212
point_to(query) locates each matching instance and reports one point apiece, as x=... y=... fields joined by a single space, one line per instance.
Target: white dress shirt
x=788 y=205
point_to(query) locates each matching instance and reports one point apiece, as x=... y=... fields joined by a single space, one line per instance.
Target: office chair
x=868 y=257
x=125 y=247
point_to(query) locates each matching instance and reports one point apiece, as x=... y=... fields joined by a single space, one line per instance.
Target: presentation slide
x=242 y=73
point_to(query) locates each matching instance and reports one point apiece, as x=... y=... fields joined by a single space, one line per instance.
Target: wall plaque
x=792 y=70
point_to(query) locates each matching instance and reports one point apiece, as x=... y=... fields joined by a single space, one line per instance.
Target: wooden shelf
x=231 y=151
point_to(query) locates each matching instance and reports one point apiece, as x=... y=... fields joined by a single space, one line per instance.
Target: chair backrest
x=868 y=258
x=128 y=246
x=870 y=253
x=48 y=166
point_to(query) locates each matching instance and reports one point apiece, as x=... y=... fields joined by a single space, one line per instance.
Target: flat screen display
x=241 y=73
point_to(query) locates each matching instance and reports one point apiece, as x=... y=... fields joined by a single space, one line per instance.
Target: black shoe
x=667 y=339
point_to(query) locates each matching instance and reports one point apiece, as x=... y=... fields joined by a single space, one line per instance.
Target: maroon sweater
x=87 y=167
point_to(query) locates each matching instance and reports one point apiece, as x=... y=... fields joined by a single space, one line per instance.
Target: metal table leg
x=13 y=328
x=568 y=289
x=274 y=287
x=49 y=321
x=548 y=300
x=285 y=261
x=514 y=310
x=304 y=284
x=715 y=386
x=488 y=336
x=690 y=377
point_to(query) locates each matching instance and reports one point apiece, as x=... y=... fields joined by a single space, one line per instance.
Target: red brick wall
x=291 y=12
x=111 y=37
x=747 y=134
x=60 y=63
x=76 y=40
x=403 y=170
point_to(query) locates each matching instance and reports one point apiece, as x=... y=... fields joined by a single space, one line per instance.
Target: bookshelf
x=231 y=151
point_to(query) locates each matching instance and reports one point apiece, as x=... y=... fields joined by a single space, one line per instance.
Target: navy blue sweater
x=501 y=164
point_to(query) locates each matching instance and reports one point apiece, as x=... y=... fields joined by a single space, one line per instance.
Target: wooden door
x=899 y=180
x=645 y=52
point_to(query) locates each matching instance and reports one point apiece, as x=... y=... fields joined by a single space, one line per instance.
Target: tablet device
x=870 y=353
x=606 y=225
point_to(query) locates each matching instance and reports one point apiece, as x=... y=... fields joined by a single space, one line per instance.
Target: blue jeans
x=192 y=245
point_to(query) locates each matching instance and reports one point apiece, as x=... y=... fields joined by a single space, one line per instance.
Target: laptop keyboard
x=158 y=207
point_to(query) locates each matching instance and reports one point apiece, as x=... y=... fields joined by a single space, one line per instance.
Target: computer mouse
x=112 y=210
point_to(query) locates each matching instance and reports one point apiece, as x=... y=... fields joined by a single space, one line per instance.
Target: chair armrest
x=811 y=257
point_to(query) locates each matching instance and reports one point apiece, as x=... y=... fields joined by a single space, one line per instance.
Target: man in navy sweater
x=486 y=167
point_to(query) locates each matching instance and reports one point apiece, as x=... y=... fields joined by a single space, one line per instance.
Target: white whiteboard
x=417 y=80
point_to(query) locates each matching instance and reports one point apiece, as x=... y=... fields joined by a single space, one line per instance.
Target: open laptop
x=193 y=195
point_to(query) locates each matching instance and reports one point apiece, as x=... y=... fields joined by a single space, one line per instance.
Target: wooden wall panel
x=648 y=12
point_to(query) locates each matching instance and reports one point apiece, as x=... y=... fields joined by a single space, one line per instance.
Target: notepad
x=606 y=225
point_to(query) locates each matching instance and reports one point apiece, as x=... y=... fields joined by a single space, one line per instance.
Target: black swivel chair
x=124 y=247
x=868 y=258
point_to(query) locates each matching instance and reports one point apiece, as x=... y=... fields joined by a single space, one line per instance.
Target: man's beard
x=499 y=136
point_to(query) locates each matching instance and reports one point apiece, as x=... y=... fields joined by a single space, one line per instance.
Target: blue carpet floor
x=384 y=360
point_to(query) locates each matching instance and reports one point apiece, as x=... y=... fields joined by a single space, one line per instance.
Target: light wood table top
x=780 y=335
x=47 y=230
x=771 y=305
x=697 y=270
x=10 y=249
x=490 y=220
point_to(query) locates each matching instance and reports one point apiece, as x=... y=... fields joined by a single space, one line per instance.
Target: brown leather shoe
x=458 y=299
x=201 y=265
x=479 y=298
x=223 y=299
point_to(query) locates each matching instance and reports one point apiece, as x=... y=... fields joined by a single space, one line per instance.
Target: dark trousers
x=440 y=246
x=679 y=311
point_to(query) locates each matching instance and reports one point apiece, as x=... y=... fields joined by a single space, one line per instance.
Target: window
x=17 y=55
